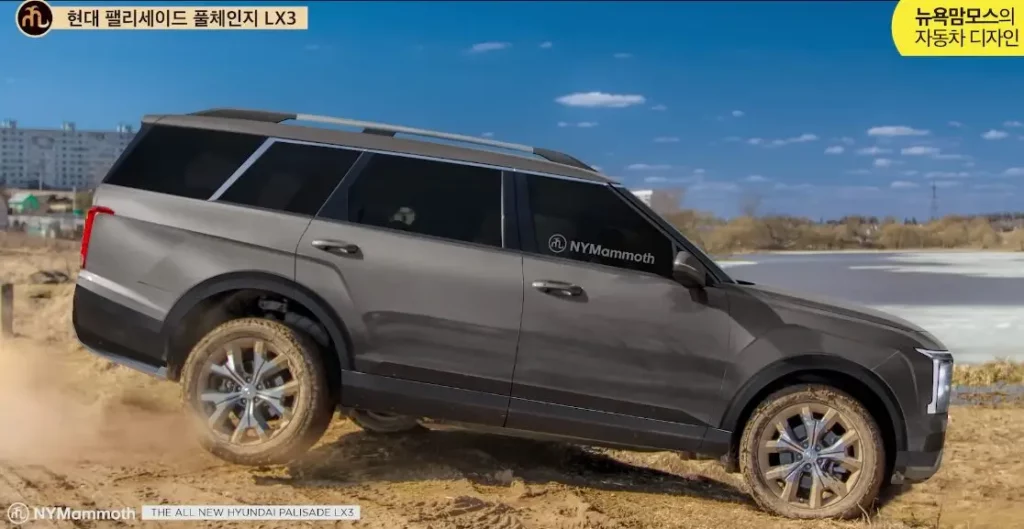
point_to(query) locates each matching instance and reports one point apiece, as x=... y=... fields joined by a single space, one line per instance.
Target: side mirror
x=688 y=271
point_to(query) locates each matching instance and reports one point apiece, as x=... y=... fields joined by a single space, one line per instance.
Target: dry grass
x=990 y=373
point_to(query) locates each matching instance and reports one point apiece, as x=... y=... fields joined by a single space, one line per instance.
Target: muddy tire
x=258 y=392
x=384 y=423
x=813 y=452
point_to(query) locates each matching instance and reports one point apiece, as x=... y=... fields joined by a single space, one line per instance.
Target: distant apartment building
x=64 y=158
x=662 y=201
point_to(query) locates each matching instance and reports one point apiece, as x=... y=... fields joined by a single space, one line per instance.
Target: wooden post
x=6 y=310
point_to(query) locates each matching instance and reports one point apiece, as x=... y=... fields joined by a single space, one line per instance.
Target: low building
x=21 y=203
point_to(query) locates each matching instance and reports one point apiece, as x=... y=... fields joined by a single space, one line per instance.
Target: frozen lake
x=972 y=301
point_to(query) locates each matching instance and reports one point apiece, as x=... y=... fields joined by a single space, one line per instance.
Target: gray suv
x=282 y=272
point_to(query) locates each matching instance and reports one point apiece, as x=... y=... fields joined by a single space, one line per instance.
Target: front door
x=611 y=348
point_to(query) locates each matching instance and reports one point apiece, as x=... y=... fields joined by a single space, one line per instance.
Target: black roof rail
x=384 y=129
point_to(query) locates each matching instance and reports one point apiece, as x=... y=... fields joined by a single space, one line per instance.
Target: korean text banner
x=964 y=28
x=192 y=18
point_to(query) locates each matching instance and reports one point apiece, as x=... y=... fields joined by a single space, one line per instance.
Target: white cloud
x=992 y=187
x=737 y=113
x=909 y=173
x=873 y=151
x=883 y=162
x=781 y=186
x=955 y=124
x=1013 y=124
x=1014 y=171
x=947 y=174
x=546 y=44
x=803 y=138
x=847 y=140
x=488 y=134
x=655 y=179
x=835 y=149
x=622 y=55
x=995 y=134
x=698 y=171
x=896 y=130
x=944 y=156
x=484 y=47
x=756 y=178
x=601 y=99
x=920 y=150
x=597 y=168
x=903 y=184
x=581 y=124
x=946 y=184
x=859 y=171
x=648 y=167
x=659 y=107
x=715 y=186
x=666 y=139
x=312 y=47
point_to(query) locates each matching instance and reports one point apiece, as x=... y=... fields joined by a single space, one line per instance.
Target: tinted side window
x=427 y=197
x=189 y=163
x=291 y=177
x=590 y=223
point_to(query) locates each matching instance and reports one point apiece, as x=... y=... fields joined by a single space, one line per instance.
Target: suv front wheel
x=258 y=392
x=812 y=451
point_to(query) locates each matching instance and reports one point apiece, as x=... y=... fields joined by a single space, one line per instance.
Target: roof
x=380 y=137
x=21 y=197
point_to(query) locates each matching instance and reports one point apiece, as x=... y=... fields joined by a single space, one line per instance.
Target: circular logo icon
x=34 y=18
x=557 y=243
x=18 y=513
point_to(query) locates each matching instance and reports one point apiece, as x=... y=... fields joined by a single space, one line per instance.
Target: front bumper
x=927 y=438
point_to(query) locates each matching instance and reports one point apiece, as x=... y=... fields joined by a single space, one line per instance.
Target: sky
x=803 y=108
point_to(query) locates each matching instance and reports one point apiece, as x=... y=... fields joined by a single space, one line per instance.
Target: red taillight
x=90 y=217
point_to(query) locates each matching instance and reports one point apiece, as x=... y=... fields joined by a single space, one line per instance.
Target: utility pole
x=935 y=201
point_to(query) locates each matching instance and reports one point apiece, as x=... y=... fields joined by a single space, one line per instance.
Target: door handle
x=336 y=247
x=559 y=288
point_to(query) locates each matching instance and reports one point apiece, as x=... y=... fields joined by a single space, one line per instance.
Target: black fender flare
x=259 y=280
x=784 y=367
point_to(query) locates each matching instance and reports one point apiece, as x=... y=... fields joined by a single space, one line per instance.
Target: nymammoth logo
x=34 y=18
x=557 y=244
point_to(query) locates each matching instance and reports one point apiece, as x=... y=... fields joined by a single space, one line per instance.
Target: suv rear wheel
x=812 y=451
x=258 y=391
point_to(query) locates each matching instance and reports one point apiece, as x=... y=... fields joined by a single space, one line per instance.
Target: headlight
x=942 y=379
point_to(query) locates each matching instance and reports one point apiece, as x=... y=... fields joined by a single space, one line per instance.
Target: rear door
x=611 y=347
x=410 y=252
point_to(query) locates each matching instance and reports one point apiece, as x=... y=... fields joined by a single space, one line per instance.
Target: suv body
x=482 y=288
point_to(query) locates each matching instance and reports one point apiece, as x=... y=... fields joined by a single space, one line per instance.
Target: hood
x=772 y=295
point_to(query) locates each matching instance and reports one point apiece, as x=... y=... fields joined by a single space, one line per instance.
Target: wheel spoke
x=216 y=398
x=245 y=422
x=814 y=495
x=838 y=448
x=276 y=403
x=280 y=392
x=220 y=414
x=234 y=364
x=830 y=482
x=270 y=368
x=782 y=472
x=259 y=357
x=787 y=439
x=792 y=484
x=849 y=463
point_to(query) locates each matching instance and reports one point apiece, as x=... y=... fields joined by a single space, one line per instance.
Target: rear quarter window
x=189 y=163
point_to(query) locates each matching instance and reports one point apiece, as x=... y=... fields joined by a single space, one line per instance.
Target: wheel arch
x=860 y=382
x=210 y=294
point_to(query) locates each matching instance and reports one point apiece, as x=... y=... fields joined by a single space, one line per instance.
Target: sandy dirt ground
x=80 y=432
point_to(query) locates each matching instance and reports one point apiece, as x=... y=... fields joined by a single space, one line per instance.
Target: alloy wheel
x=247 y=392
x=812 y=456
